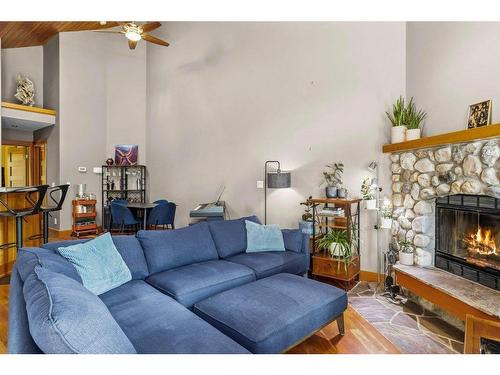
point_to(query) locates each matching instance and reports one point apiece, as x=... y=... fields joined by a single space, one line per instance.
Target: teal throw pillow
x=263 y=237
x=98 y=263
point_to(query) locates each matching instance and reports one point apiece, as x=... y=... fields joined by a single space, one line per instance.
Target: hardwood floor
x=4 y=304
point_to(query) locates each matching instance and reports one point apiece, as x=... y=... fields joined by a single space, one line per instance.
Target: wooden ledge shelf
x=26 y=118
x=44 y=111
x=461 y=136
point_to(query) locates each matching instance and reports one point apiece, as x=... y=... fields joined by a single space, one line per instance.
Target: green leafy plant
x=367 y=191
x=333 y=176
x=398 y=115
x=413 y=116
x=406 y=246
x=307 y=215
x=342 y=248
x=386 y=211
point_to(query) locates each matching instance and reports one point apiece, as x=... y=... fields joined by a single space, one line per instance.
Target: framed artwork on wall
x=126 y=154
x=479 y=114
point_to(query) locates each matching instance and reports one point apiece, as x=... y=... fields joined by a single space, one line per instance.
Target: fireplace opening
x=468 y=237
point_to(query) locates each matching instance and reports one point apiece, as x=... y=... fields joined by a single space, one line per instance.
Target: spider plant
x=367 y=191
x=337 y=243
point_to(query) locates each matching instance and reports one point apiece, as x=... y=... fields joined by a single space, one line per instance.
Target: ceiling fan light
x=133 y=35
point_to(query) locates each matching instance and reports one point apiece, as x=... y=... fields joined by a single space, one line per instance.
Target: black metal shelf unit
x=126 y=182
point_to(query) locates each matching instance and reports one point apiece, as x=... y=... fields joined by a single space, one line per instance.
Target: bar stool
x=21 y=213
x=57 y=203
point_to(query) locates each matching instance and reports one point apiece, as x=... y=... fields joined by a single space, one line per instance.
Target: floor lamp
x=274 y=180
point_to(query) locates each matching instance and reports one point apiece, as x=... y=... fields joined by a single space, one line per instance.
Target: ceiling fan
x=134 y=32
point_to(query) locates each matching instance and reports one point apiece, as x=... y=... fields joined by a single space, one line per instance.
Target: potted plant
x=414 y=119
x=398 y=120
x=368 y=194
x=332 y=178
x=386 y=216
x=337 y=243
x=306 y=224
x=406 y=252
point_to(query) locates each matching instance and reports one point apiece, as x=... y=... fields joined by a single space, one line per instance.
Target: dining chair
x=171 y=214
x=162 y=215
x=123 y=216
x=160 y=201
x=120 y=201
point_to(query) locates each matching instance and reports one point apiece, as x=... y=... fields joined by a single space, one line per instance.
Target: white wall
x=451 y=65
x=225 y=97
x=27 y=61
x=102 y=103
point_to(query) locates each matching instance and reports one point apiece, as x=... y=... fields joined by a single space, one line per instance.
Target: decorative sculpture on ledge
x=25 y=90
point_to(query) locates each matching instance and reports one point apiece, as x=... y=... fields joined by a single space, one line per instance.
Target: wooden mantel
x=461 y=136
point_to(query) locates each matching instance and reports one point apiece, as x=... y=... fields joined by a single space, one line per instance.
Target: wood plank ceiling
x=27 y=34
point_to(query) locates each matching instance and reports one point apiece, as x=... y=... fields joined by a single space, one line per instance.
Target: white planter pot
x=412 y=134
x=371 y=204
x=406 y=258
x=398 y=134
x=385 y=223
x=335 y=249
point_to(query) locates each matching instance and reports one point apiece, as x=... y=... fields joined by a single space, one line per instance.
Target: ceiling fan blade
x=150 y=26
x=131 y=44
x=108 y=32
x=154 y=40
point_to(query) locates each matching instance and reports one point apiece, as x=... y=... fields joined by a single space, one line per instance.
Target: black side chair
x=57 y=195
x=21 y=213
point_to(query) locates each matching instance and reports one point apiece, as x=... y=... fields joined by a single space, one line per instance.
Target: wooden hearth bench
x=477 y=305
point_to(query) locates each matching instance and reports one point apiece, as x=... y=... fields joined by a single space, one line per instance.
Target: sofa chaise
x=193 y=290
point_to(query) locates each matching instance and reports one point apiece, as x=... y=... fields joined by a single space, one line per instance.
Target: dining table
x=144 y=207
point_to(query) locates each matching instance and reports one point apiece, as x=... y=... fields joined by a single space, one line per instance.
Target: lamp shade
x=279 y=180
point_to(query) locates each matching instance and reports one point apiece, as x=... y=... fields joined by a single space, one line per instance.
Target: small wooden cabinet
x=84 y=217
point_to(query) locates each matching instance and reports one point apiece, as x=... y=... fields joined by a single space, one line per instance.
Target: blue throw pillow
x=98 y=263
x=263 y=237
x=66 y=318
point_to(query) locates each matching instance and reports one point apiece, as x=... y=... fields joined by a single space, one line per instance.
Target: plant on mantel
x=406 y=120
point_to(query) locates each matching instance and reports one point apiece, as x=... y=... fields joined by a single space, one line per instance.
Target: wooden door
x=16 y=166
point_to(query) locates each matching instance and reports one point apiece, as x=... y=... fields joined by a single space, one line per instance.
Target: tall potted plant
x=414 y=119
x=332 y=178
x=398 y=120
x=368 y=194
x=406 y=252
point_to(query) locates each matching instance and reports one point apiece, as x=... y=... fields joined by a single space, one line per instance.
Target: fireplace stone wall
x=419 y=176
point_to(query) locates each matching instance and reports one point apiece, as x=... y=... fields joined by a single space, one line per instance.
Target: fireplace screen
x=471 y=235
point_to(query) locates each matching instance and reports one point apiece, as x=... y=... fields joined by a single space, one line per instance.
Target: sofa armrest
x=298 y=242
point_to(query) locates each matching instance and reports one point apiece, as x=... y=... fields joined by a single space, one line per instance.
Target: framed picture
x=126 y=154
x=479 y=114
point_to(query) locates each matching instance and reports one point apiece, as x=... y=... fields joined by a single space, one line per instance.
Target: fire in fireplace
x=468 y=237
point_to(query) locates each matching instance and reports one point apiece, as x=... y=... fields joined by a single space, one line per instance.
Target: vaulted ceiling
x=27 y=34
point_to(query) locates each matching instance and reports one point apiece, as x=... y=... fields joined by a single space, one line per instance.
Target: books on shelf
x=332 y=211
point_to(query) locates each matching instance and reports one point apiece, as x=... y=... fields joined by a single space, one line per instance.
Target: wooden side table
x=84 y=217
x=323 y=265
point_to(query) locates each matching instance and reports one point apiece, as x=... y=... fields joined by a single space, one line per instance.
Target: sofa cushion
x=29 y=258
x=263 y=237
x=155 y=323
x=195 y=282
x=64 y=317
x=230 y=236
x=129 y=248
x=293 y=239
x=272 y=314
x=269 y=263
x=167 y=249
x=98 y=263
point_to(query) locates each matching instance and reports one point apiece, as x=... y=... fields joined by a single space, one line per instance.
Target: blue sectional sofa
x=169 y=306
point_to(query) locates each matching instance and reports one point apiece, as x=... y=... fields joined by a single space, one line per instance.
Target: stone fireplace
x=422 y=178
